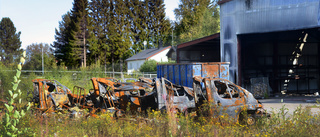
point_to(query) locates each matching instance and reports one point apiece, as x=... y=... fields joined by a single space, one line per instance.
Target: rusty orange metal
x=49 y=94
x=121 y=95
x=225 y=97
x=113 y=96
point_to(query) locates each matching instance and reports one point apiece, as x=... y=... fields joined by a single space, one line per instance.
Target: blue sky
x=37 y=19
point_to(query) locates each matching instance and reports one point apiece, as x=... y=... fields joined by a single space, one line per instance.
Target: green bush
x=167 y=62
x=149 y=66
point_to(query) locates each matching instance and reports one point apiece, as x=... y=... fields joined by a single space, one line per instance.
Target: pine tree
x=9 y=41
x=138 y=19
x=148 y=24
x=160 y=25
x=71 y=38
x=99 y=15
x=120 y=40
x=60 y=45
x=113 y=30
x=79 y=33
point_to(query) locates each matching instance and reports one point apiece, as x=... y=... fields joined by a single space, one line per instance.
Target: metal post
x=84 y=51
x=144 y=44
x=42 y=62
x=172 y=37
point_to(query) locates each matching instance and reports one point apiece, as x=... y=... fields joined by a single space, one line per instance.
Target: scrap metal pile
x=113 y=96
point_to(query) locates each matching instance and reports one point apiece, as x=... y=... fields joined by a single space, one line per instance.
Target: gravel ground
x=275 y=104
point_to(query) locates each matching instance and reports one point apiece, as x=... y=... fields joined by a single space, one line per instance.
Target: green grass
x=301 y=123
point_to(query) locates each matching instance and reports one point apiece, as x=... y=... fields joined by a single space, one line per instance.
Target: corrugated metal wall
x=259 y=16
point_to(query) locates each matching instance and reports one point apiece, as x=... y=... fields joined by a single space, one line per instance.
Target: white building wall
x=134 y=65
x=161 y=57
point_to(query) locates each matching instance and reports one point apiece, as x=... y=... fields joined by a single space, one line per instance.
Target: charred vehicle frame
x=225 y=97
x=111 y=95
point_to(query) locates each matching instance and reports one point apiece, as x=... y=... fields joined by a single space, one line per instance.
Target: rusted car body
x=142 y=95
x=52 y=95
x=49 y=94
x=173 y=97
x=225 y=97
x=113 y=96
x=122 y=95
x=108 y=95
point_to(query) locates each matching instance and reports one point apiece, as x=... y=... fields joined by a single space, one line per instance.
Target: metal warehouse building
x=275 y=39
x=275 y=42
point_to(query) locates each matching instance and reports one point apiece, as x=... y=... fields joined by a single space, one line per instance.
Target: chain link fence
x=90 y=74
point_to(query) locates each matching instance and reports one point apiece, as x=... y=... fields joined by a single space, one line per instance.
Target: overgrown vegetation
x=301 y=123
x=13 y=112
x=151 y=65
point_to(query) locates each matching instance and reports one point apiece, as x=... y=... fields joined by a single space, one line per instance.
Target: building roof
x=172 y=49
x=148 y=53
x=204 y=40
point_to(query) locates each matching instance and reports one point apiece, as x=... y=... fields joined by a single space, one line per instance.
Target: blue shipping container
x=182 y=74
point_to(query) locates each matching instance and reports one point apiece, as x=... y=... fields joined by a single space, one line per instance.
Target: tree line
x=101 y=32
x=109 y=31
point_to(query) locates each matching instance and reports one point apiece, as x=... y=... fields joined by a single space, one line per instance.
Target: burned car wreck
x=141 y=95
x=224 y=97
x=177 y=98
x=113 y=95
x=118 y=98
x=52 y=95
x=120 y=95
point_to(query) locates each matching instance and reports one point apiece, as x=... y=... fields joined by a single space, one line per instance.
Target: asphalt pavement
x=292 y=103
